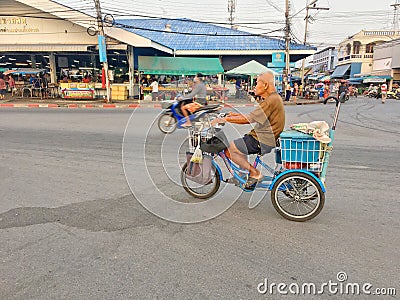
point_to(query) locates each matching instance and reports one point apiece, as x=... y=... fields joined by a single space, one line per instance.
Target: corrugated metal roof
x=213 y=38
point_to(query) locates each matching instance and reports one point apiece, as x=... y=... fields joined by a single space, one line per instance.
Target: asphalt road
x=70 y=227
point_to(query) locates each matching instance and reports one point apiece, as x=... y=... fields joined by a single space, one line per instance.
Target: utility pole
x=102 y=47
x=311 y=5
x=231 y=11
x=287 y=42
x=396 y=15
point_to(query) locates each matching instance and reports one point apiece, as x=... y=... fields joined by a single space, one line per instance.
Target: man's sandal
x=251 y=183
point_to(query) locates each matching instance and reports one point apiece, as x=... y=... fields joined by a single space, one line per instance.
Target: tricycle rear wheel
x=297 y=196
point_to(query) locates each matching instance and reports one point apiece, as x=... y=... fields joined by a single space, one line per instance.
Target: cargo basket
x=301 y=151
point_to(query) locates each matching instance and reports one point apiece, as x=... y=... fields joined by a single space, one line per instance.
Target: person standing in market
x=379 y=92
x=11 y=84
x=326 y=91
x=238 y=86
x=295 y=91
x=288 y=91
x=3 y=87
x=154 y=90
x=384 y=92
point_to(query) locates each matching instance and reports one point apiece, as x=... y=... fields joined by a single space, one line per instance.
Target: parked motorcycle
x=372 y=94
x=393 y=94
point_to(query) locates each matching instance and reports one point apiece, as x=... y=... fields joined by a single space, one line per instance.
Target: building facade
x=386 y=61
x=325 y=60
x=48 y=35
x=356 y=53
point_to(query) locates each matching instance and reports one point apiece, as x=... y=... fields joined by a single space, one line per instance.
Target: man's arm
x=194 y=92
x=235 y=118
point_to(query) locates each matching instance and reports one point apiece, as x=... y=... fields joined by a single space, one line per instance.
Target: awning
x=251 y=68
x=376 y=79
x=355 y=80
x=325 y=78
x=355 y=68
x=295 y=78
x=179 y=65
x=340 y=71
x=313 y=77
x=24 y=71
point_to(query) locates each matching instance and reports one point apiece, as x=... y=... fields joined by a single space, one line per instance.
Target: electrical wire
x=217 y=16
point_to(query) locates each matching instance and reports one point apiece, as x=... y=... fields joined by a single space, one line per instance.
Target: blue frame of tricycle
x=235 y=171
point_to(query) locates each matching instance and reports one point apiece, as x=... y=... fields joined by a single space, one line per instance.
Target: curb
x=124 y=106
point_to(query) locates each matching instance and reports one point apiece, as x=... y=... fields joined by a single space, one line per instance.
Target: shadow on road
x=97 y=215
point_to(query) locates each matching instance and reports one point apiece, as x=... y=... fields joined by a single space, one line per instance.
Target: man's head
x=265 y=84
x=198 y=77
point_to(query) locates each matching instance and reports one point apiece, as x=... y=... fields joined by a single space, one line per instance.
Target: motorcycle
x=372 y=94
x=394 y=94
x=172 y=117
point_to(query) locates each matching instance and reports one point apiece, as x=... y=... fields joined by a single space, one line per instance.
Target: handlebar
x=342 y=98
x=331 y=97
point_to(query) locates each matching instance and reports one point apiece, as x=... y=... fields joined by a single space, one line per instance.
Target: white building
x=325 y=60
x=355 y=54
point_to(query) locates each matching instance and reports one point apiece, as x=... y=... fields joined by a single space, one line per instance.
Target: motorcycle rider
x=198 y=96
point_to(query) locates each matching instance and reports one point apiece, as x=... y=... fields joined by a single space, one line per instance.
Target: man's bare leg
x=186 y=115
x=241 y=159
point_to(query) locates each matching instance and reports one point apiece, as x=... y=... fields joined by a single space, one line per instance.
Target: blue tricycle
x=297 y=182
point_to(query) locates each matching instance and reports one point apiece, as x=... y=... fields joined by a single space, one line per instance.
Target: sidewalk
x=132 y=104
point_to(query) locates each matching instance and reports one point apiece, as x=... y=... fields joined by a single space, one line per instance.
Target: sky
x=327 y=27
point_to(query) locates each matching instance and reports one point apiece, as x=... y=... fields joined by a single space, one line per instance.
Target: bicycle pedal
x=249 y=189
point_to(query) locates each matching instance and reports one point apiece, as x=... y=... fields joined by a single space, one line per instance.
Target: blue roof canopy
x=186 y=34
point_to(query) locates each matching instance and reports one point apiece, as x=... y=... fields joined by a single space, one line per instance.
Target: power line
x=189 y=33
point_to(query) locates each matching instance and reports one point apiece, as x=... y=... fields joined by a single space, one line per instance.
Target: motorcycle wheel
x=167 y=123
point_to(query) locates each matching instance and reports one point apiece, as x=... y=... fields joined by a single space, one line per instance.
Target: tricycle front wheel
x=197 y=190
x=297 y=197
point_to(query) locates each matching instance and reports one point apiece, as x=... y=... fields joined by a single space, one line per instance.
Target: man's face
x=260 y=87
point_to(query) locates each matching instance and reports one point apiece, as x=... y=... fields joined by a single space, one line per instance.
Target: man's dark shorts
x=249 y=145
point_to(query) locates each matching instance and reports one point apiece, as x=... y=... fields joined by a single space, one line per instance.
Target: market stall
x=180 y=66
x=252 y=68
x=25 y=88
x=164 y=93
